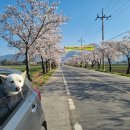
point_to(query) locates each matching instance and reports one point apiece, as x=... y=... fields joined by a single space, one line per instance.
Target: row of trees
x=9 y=62
x=113 y=50
x=33 y=27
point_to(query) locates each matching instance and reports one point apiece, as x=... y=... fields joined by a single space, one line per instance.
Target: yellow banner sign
x=72 y=48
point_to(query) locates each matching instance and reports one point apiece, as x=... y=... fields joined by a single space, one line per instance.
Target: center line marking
x=71 y=104
x=77 y=126
x=65 y=83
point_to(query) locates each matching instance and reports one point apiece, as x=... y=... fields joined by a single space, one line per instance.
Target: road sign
x=83 y=48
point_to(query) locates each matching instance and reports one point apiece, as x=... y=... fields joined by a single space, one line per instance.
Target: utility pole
x=102 y=18
x=81 y=44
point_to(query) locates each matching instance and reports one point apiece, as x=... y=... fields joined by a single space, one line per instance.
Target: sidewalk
x=55 y=103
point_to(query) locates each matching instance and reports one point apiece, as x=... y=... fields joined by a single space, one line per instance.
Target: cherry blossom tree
x=94 y=56
x=98 y=56
x=86 y=58
x=48 y=47
x=22 y=25
x=110 y=53
x=123 y=46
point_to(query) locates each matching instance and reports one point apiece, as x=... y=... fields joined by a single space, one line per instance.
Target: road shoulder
x=55 y=104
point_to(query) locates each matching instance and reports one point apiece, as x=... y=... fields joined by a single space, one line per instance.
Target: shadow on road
x=106 y=107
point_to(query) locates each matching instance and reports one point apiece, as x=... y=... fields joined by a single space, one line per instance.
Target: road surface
x=90 y=100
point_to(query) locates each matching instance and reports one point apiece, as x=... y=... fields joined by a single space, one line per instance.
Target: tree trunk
x=98 y=65
x=100 y=61
x=43 y=66
x=92 y=64
x=27 y=64
x=86 y=65
x=128 y=68
x=54 y=65
x=50 y=68
x=109 y=62
x=81 y=64
x=46 y=66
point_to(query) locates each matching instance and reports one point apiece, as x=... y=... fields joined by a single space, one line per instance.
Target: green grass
x=22 y=68
x=48 y=75
x=38 y=79
x=117 y=73
x=18 y=67
x=118 y=69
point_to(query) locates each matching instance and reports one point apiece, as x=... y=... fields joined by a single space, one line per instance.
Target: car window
x=10 y=104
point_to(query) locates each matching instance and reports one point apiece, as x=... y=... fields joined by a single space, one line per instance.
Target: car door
x=24 y=117
x=40 y=117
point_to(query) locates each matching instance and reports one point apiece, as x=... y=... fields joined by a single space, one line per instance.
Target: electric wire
x=122 y=10
x=118 y=10
x=119 y=35
x=93 y=26
x=115 y=12
x=109 y=3
x=114 y=5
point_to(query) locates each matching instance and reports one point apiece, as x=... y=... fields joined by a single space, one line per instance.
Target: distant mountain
x=70 y=55
x=121 y=59
x=11 y=57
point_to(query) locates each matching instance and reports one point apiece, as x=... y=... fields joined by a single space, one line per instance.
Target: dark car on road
x=28 y=112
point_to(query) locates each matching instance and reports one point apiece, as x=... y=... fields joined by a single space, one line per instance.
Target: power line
x=120 y=7
x=92 y=25
x=119 y=35
x=116 y=3
x=93 y=30
x=95 y=27
x=94 y=34
x=109 y=3
x=117 y=11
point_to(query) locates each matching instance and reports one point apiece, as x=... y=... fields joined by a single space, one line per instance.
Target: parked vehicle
x=27 y=113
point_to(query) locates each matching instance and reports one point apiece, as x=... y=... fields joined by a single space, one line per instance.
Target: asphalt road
x=99 y=101
x=81 y=99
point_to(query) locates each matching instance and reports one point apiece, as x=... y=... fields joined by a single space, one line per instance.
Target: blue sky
x=82 y=22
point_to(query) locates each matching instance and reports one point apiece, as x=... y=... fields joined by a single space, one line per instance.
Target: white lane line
x=71 y=104
x=65 y=83
x=77 y=126
x=67 y=91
